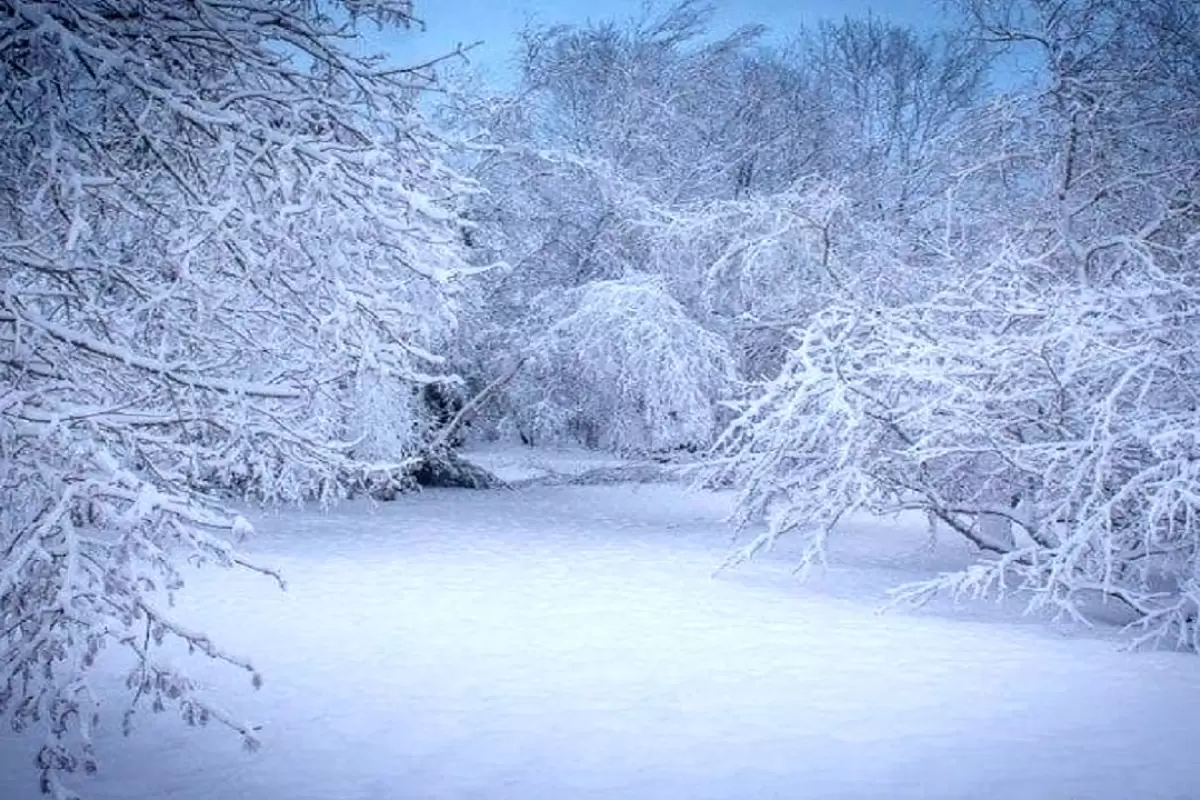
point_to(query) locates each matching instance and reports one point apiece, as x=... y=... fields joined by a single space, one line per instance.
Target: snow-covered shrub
x=222 y=236
x=620 y=365
x=1037 y=423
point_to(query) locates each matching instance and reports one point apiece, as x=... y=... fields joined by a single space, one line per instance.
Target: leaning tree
x=222 y=234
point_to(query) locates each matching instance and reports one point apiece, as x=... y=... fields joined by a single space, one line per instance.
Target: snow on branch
x=1034 y=389
x=1024 y=420
x=230 y=250
x=621 y=365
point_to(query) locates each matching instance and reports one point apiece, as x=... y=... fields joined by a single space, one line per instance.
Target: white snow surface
x=520 y=464
x=564 y=642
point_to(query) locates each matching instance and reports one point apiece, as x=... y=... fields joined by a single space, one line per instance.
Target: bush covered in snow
x=1063 y=445
x=620 y=365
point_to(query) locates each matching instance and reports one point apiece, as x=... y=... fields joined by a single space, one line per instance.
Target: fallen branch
x=471 y=407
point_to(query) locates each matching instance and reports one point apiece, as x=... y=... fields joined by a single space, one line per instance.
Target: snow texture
x=571 y=642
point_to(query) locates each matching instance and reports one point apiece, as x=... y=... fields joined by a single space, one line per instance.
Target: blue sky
x=495 y=22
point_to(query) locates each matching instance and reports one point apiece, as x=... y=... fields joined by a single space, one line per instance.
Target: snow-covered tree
x=575 y=161
x=754 y=266
x=620 y=365
x=606 y=120
x=725 y=167
x=223 y=237
x=885 y=95
x=1036 y=394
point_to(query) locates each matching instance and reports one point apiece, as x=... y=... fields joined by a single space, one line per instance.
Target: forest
x=861 y=269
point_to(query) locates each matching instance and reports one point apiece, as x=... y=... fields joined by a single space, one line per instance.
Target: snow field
x=570 y=642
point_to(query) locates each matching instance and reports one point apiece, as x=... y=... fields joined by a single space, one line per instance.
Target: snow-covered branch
x=229 y=256
x=1036 y=394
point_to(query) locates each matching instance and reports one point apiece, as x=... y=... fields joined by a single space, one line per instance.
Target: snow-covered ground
x=519 y=465
x=570 y=642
